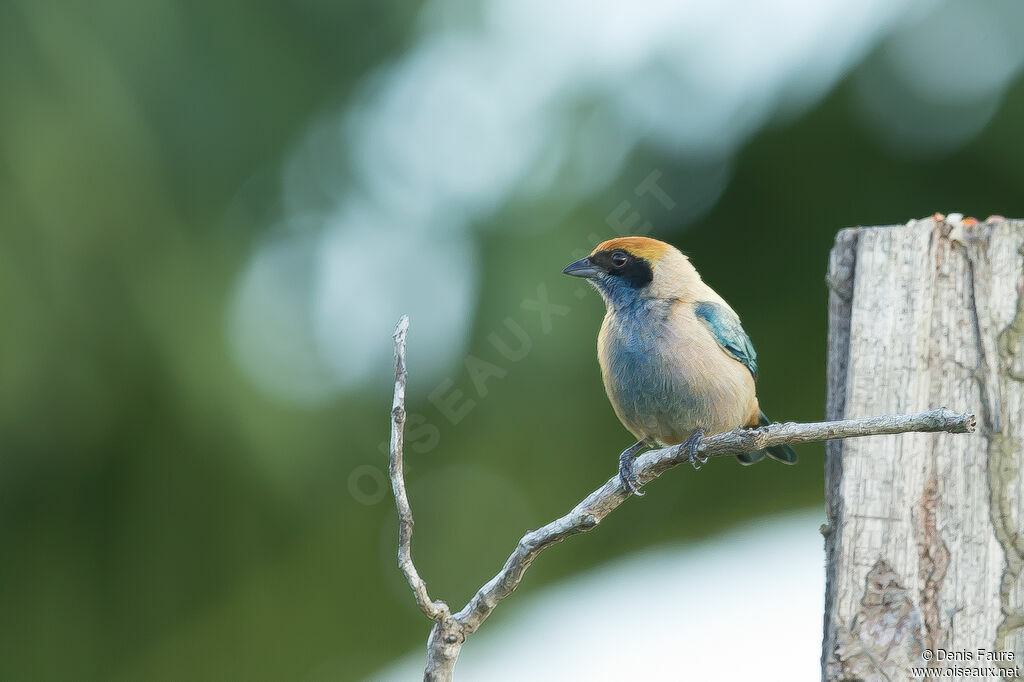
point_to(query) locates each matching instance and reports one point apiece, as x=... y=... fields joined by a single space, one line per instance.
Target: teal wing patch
x=727 y=330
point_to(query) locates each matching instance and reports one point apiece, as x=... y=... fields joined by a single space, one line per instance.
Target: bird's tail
x=783 y=453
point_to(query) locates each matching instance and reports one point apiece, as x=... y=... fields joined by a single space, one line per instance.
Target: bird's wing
x=725 y=327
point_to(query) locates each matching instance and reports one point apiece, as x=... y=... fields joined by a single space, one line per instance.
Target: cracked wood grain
x=1001 y=403
x=931 y=312
x=934 y=562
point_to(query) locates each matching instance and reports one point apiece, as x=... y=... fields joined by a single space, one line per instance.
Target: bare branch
x=751 y=440
x=433 y=610
x=450 y=631
x=650 y=465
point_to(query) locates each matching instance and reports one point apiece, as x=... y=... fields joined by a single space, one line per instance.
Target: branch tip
x=433 y=610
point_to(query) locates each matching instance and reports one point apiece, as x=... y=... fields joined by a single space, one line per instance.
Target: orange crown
x=649 y=249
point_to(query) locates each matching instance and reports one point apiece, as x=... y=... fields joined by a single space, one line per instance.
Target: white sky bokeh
x=653 y=616
x=509 y=100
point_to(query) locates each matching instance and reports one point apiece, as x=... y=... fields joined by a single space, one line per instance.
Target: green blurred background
x=213 y=213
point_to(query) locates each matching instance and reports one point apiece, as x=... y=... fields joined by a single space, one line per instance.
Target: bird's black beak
x=584 y=267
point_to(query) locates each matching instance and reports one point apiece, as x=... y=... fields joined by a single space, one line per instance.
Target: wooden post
x=923 y=546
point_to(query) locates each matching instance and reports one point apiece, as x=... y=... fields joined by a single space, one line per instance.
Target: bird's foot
x=691 y=444
x=626 y=473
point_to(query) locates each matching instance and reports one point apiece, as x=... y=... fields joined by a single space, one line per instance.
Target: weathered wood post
x=924 y=548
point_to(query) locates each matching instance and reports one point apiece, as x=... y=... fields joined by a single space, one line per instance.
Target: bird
x=676 y=363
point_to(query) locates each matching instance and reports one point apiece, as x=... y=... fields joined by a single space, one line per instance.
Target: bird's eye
x=619 y=258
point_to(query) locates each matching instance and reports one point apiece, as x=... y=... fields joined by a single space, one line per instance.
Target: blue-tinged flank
x=641 y=382
x=727 y=330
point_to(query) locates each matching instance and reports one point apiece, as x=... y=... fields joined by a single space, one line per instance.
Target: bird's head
x=629 y=268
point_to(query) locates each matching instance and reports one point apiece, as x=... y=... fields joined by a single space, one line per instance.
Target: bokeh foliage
x=161 y=518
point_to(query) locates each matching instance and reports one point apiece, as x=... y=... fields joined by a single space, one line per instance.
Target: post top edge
x=947 y=221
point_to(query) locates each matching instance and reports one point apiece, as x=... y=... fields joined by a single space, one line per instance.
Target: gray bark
x=923 y=543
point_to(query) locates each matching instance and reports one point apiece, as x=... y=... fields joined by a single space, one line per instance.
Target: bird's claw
x=691 y=444
x=627 y=475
